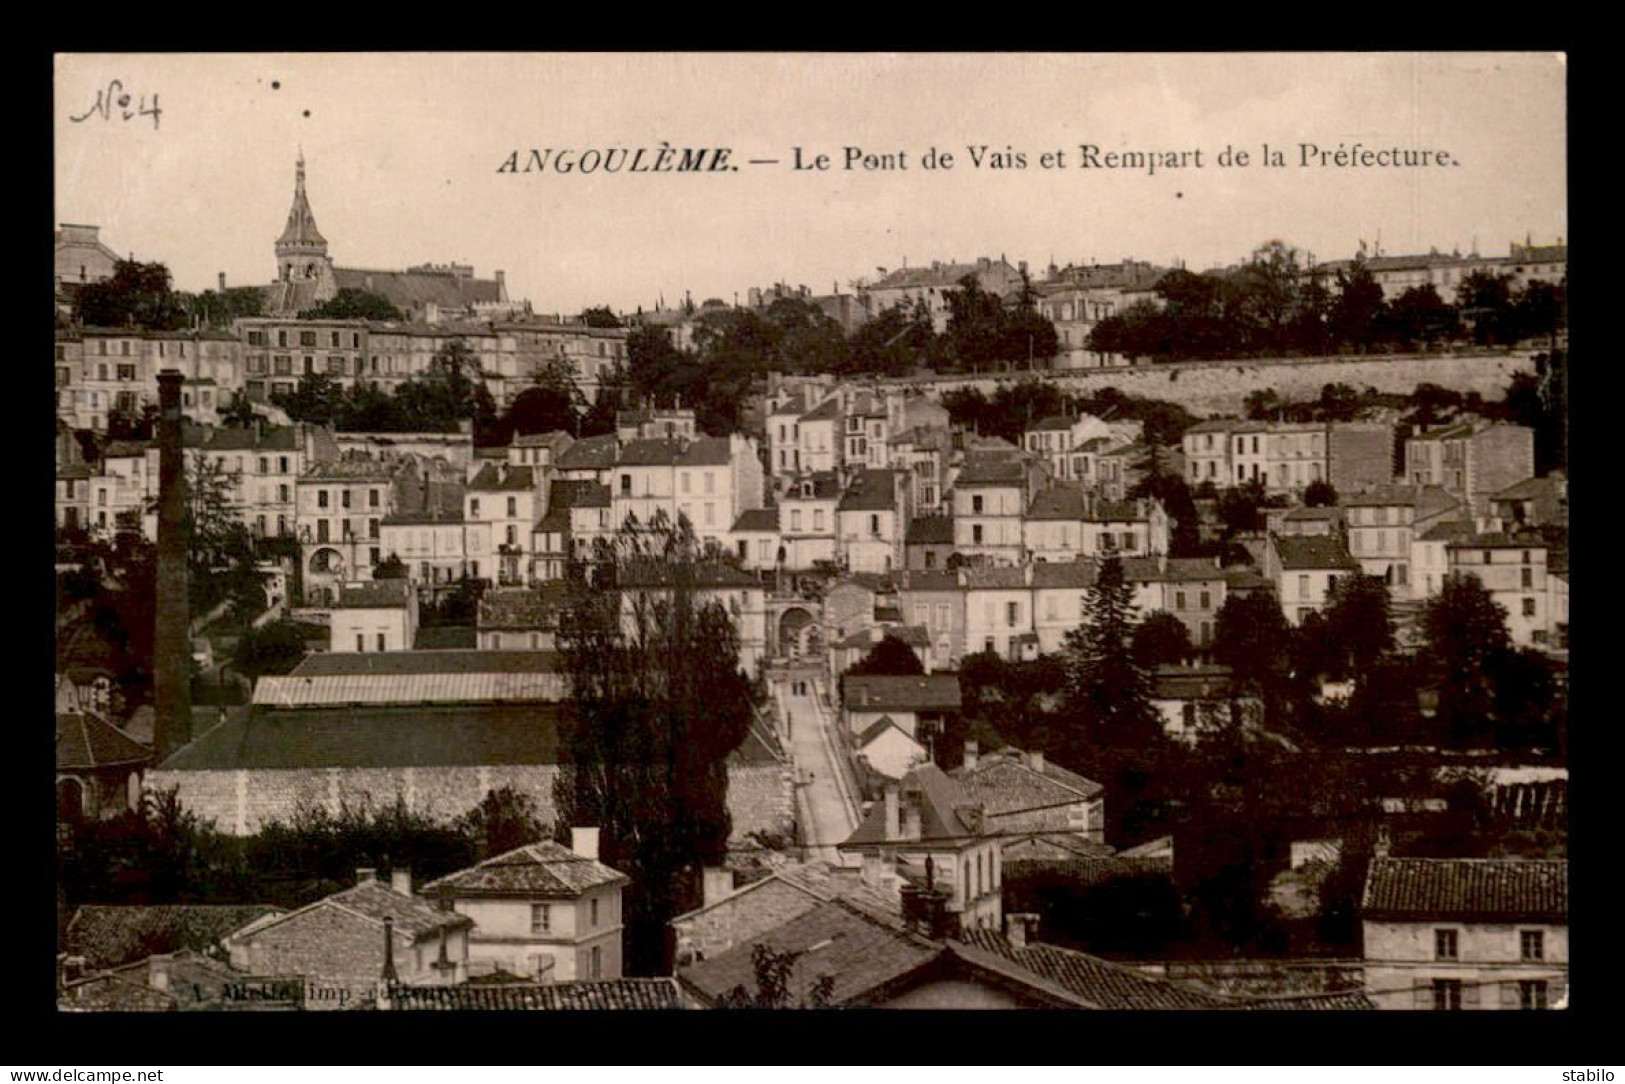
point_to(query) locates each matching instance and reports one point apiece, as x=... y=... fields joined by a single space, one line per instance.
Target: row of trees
x=1275 y=305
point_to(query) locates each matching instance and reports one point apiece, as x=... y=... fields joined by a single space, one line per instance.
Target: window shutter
x=1424 y=995
x=1509 y=995
x=1469 y=994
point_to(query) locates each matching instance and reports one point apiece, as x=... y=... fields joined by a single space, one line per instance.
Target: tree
x=239 y=413
x=353 y=303
x=1320 y=494
x=504 y=820
x=552 y=402
x=973 y=338
x=275 y=648
x=657 y=703
x=600 y=316
x=889 y=656
x=136 y=295
x=1485 y=300
x=1107 y=690
x=1465 y=634
x=1356 y=315
x=1420 y=316
x=390 y=568
x=219 y=310
x=1251 y=636
x=317 y=398
x=1359 y=622
x=774 y=972
x=1161 y=640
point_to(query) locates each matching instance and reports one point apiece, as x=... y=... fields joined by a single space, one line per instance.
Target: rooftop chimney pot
x=584 y=842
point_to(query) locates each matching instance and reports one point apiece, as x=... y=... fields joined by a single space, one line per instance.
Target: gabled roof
x=113 y=935
x=544 y=870
x=1529 y=540
x=1448 y=531
x=885 y=692
x=596 y=995
x=943 y=805
x=373 y=594
x=706 y=452
x=1553 y=487
x=828 y=410
x=375 y=901
x=1100 y=983
x=1428 y=501
x=85 y=743
x=650 y=452
x=1466 y=890
x=879 y=727
x=535 y=607
x=991 y=471
x=415 y=289
x=1049 y=575
x=1059 y=501
x=1126 y=511
x=757 y=519
x=502 y=478
x=859 y=951
x=1313 y=552
x=930 y=531
x=825 y=486
x=1006 y=782
x=589 y=453
x=870 y=491
x=1053 y=423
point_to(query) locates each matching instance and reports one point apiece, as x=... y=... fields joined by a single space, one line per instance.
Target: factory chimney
x=172 y=641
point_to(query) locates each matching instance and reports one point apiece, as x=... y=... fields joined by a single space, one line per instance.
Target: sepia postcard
x=679 y=531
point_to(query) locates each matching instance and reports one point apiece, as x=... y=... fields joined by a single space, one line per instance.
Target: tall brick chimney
x=172 y=641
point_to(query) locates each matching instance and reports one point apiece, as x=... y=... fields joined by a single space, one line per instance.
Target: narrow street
x=822 y=805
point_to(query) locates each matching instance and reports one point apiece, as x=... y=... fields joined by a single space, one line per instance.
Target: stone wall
x=1221 y=387
x=241 y=802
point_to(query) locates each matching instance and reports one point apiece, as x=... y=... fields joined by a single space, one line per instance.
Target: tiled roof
x=825 y=485
x=1214 y=425
x=397 y=663
x=1427 y=500
x=1104 y=511
x=233 y=439
x=594 y=995
x=706 y=452
x=925 y=692
x=1192 y=569
x=1448 y=531
x=1100 y=983
x=590 y=453
x=415 y=289
x=930 y=531
x=1467 y=889
x=1339 y=1001
x=1498 y=541
x=1065 y=574
x=995 y=578
x=1053 y=423
x=859 y=951
x=1005 y=782
x=556 y=439
x=943 y=804
x=502 y=478
x=1059 y=501
x=543 y=870
x=85 y=742
x=758 y=519
x=650 y=453
x=373 y=594
x=828 y=410
x=877 y=728
x=125 y=449
x=1313 y=552
x=991 y=471
x=871 y=491
x=109 y=936
x=937 y=274
x=1551 y=486
x=1084 y=871
x=929 y=580
x=375 y=901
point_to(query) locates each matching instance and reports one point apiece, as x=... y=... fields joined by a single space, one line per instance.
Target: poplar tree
x=657 y=703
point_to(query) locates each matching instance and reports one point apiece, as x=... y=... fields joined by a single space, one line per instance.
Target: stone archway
x=326 y=560
x=797 y=632
x=70 y=800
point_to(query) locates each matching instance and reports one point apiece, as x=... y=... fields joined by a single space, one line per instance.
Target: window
x=282 y=494
x=372 y=498
x=1207 y=600
x=597 y=962
x=1532 y=945
x=372 y=528
x=513 y=506
x=1179 y=600
x=1447 y=994
x=1444 y=944
x=126 y=372
x=344 y=497
x=321 y=498
x=380 y=641
x=513 y=535
x=1528 y=577
x=1303 y=586
x=626 y=485
x=1532 y=994
x=976 y=533
x=541 y=918
x=474 y=508
x=593 y=918
x=307 y=338
x=874 y=526
x=282 y=464
x=361 y=642
x=976 y=504
x=1012 y=613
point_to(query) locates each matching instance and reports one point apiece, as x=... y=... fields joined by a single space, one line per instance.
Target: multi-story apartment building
x=1058 y=590
x=924 y=454
x=102 y=371
x=999 y=611
x=820 y=436
x=1125 y=528
x=429 y=542
x=341 y=508
x=1383 y=523
x=1287 y=457
x=501 y=504
x=1471 y=460
x=990 y=497
x=1058 y=440
x=871 y=518
x=263 y=465
x=1305 y=570
x=930 y=286
x=1053 y=528
x=865 y=429
x=1466 y=933
x=807 y=520
x=935 y=602
x=1512 y=567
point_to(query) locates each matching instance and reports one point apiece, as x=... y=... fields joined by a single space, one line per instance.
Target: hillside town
x=416 y=650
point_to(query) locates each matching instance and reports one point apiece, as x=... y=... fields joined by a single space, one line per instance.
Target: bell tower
x=301 y=251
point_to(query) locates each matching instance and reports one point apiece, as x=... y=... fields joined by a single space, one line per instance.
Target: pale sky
x=403 y=150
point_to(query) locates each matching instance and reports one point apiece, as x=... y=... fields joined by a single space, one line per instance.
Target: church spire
x=301 y=229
